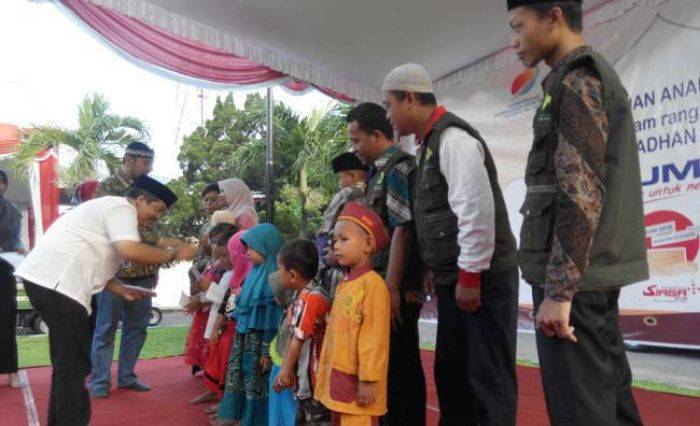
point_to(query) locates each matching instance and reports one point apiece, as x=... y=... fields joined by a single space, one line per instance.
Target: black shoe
x=99 y=394
x=137 y=386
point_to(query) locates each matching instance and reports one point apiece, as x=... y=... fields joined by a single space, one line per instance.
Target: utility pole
x=270 y=161
x=201 y=107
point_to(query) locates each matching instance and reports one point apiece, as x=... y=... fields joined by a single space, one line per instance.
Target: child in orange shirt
x=352 y=376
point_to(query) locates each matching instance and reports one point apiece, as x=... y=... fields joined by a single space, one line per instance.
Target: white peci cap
x=408 y=78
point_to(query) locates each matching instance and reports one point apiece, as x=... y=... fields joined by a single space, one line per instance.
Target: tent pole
x=270 y=161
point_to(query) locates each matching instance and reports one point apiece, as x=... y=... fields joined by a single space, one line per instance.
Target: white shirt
x=470 y=197
x=76 y=257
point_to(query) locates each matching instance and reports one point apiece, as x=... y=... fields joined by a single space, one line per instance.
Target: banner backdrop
x=661 y=71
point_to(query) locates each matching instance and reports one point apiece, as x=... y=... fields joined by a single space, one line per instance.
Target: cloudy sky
x=50 y=62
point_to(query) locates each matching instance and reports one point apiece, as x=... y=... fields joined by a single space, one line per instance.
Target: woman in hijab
x=257 y=316
x=10 y=220
x=239 y=200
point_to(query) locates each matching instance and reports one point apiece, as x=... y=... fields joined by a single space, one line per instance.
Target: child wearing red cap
x=352 y=376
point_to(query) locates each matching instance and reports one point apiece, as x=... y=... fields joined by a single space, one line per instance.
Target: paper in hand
x=184 y=299
x=145 y=292
x=13 y=258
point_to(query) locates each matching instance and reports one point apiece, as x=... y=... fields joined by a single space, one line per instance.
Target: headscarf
x=239 y=200
x=257 y=309
x=240 y=265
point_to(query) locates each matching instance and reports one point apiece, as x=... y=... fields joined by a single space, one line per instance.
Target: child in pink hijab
x=225 y=327
x=239 y=200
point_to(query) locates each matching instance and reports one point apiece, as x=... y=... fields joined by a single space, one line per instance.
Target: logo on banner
x=670 y=293
x=524 y=98
x=672 y=243
x=524 y=82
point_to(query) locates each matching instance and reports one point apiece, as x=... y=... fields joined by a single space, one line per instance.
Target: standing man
x=78 y=257
x=10 y=229
x=582 y=237
x=137 y=162
x=389 y=195
x=465 y=239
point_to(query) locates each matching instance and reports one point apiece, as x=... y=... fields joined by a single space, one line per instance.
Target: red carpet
x=173 y=386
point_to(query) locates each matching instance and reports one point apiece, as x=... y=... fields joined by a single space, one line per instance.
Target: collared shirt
x=469 y=194
x=434 y=117
x=117 y=185
x=356 y=345
x=579 y=163
x=76 y=257
x=398 y=198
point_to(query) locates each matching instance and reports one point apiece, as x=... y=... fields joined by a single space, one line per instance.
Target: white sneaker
x=15 y=381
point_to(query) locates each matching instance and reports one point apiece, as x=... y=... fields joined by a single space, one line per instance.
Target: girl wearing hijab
x=10 y=219
x=225 y=328
x=257 y=315
x=239 y=200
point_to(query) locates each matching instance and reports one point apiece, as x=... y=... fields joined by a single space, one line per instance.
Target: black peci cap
x=156 y=189
x=512 y=4
x=346 y=162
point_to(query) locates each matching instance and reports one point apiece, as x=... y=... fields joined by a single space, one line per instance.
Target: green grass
x=33 y=351
x=660 y=387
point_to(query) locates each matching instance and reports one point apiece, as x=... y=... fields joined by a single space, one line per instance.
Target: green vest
x=618 y=252
x=436 y=224
x=376 y=196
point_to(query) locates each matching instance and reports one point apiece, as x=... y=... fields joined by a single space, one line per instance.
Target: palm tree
x=321 y=137
x=96 y=140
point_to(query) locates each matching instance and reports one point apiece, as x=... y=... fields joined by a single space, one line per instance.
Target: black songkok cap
x=346 y=162
x=156 y=189
x=512 y=4
x=139 y=149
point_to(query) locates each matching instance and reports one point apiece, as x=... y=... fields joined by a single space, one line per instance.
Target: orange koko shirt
x=356 y=345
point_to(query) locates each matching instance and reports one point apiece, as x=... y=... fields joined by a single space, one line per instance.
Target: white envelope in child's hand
x=216 y=293
x=211 y=320
x=184 y=299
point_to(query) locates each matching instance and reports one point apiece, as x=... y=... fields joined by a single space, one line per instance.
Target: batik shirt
x=579 y=161
x=398 y=185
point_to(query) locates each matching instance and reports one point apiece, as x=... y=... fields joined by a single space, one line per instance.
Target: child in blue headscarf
x=257 y=315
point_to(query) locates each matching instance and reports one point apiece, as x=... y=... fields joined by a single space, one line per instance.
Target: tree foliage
x=232 y=144
x=97 y=139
